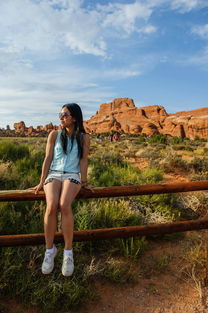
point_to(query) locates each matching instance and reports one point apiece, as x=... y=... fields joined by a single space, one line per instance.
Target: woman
x=64 y=172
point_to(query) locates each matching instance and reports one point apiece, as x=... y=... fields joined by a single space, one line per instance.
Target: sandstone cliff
x=21 y=129
x=122 y=115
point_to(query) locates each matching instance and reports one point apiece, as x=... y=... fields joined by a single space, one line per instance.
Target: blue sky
x=59 y=51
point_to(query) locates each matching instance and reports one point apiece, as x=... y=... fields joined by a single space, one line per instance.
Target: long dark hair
x=76 y=113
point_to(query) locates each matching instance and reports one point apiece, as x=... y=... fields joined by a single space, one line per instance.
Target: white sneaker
x=48 y=262
x=68 y=265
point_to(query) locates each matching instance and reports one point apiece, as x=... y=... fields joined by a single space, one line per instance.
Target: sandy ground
x=162 y=289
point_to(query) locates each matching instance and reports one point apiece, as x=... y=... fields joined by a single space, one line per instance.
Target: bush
x=141 y=139
x=22 y=217
x=198 y=165
x=177 y=140
x=13 y=151
x=173 y=161
x=158 y=138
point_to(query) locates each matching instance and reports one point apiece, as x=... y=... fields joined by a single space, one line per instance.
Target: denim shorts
x=61 y=176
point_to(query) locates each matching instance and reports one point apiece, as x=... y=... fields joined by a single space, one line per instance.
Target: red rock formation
x=122 y=115
x=19 y=127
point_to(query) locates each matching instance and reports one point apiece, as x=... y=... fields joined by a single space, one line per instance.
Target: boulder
x=20 y=127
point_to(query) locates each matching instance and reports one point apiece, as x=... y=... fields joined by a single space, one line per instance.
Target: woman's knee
x=51 y=209
x=65 y=208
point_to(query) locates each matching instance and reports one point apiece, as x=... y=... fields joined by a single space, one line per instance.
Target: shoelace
x=48 y=257
x=68 y=260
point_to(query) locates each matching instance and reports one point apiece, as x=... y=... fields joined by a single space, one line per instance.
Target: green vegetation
x=113 y=260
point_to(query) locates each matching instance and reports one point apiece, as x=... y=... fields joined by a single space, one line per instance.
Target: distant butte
x=123 y=116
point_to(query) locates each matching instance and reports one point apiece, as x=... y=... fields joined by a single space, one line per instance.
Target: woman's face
x=66 y=119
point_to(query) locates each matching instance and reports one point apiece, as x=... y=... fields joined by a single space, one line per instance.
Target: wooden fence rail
x=107 y=192
x=109 y=233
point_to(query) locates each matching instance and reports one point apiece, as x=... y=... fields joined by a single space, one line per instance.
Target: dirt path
x=161 y=286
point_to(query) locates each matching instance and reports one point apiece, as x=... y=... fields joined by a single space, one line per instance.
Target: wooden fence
x=109 y=233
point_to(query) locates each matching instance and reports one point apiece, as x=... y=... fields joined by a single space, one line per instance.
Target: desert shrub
x=33 y=162
x=152 y=153
x=132 y=247
x=172 y=161
x=141 y=139
x=107 y=158
x=182 y=147
x=23 y=171
x=116 y=175
x=111 y=269
x=176 y=140
x=117 y=271
x=101 y=213
x=150 y=176
x=22 y=217
x=198 y=176
x=198 y=164
x=29 y=170
x=198 y=140
x=192 y=205
x=158 y=138
x=105 y=213
x=155 y=208
x=13 y=151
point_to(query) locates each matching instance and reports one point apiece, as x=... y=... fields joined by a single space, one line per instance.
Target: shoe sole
x=67 y=275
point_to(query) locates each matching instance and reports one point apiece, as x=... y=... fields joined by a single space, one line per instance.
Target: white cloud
x=29 y=26
x=148 y=29
x=180 y=5
x=201 y=31
x=123 y=17
x=36 y=97
x=201 y=59
x=44 y=25
x=66 y=4
x=185 y=5
x=120 y=73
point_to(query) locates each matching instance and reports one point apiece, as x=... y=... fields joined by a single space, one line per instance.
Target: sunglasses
x=64 y=114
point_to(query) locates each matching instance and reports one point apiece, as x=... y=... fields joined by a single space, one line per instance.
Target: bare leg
x=52 y=192
x=68 y=194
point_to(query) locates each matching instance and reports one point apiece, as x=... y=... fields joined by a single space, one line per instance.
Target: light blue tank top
x=65 y=162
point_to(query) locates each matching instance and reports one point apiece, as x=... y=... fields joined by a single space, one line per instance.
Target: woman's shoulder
x=53 y=135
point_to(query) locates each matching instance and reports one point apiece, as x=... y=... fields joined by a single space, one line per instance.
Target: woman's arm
x=84 y=159
x=47 y=160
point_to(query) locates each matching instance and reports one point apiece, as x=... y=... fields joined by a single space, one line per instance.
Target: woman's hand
x=37 y=188
x=86 y=186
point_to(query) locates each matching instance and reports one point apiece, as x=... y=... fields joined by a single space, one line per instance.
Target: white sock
x=68 y=252
x=51 y=250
